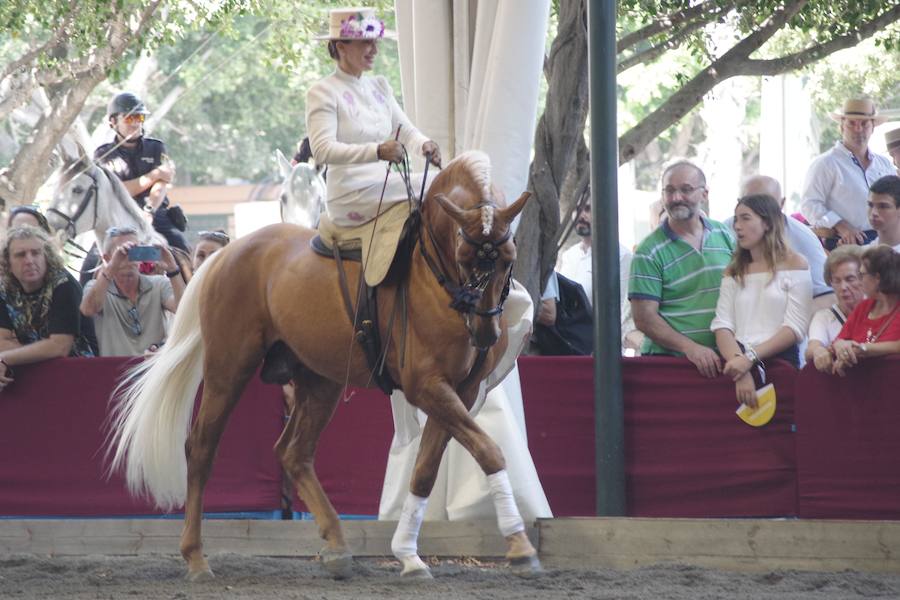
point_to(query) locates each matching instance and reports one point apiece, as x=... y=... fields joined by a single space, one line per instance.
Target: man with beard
x=676 y=272
x=576 y=263
x=837 y=182
x=141 y=163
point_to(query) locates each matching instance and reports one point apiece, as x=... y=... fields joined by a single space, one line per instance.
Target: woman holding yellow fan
x=765 y=299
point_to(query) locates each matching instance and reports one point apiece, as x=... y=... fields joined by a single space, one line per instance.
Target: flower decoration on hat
x=360 y=27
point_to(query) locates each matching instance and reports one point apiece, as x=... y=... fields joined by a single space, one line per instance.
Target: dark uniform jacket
x=131 y=163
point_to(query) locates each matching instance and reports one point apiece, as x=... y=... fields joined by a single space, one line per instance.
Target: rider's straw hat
x=346 y=24
x=892 y=138
x=858 y=108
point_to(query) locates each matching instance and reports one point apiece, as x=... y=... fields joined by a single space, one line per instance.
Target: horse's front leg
x=404 y=544
x=448 y=415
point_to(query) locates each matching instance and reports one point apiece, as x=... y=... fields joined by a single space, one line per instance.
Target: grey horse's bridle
x=71 y=227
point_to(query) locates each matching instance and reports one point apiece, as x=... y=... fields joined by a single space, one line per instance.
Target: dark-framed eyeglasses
x=135 y=323
x=215 y=236
x=684 y=190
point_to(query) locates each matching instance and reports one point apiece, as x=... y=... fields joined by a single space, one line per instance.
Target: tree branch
x=686 y=98
x=55 y=39
x=776 y=66
x=652 y=53
x=668 y=22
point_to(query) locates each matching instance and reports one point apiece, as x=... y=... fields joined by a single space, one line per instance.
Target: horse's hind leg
x=220 y=395
x=315 y=399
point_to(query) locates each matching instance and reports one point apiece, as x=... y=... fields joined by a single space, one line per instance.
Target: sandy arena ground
x=241 y=577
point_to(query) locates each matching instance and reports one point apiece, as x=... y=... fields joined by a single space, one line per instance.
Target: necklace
x=870 y=338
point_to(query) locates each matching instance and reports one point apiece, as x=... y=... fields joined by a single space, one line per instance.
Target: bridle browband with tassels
x=464 y=297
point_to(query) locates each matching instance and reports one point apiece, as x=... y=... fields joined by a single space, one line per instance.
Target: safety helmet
x=126 y=103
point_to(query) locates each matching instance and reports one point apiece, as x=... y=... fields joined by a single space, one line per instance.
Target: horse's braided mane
x=477 y=164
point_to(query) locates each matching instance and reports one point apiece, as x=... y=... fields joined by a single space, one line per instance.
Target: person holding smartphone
x=127 y=306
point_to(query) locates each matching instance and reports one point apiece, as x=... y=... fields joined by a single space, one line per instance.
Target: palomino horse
x=289 y=295
x=302 y=197
x=90 y=197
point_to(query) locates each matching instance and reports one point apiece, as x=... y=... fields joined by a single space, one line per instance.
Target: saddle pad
x=377 y=239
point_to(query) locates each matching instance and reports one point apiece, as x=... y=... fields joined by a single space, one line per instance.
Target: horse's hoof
x=414 y=568
x=200 y=576
x=337 y=563
x=417 y=574
x=526 y=565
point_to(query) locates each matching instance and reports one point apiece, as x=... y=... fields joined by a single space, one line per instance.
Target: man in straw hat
x=837 y=182
x=892 y=139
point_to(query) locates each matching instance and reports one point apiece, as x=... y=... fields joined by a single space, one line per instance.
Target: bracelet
x=177 y=271
x=750 y=354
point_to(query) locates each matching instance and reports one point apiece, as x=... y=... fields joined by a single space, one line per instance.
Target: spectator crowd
x=822 y=286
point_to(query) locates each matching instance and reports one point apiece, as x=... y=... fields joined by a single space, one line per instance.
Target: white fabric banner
x=470 y=74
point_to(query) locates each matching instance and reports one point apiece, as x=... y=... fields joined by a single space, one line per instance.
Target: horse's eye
x=78 y=189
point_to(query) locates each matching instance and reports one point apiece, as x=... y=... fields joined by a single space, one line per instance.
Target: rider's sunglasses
x=132 y=119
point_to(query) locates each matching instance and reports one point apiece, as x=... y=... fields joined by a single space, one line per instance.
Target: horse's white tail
x=153 y=407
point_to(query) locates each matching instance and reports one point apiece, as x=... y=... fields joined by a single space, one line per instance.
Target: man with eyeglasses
x=128 y=307
x=676 y=272
x=837 y=182
x=141 y=163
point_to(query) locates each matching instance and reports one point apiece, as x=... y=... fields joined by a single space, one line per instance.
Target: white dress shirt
x=876 y=242
x=837 y=187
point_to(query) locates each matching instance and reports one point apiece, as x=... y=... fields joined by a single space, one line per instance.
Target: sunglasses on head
x=214 y=236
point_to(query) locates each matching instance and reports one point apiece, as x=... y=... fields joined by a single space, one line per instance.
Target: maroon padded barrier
x=848 y=442
x=52 y=443
x=687 y=453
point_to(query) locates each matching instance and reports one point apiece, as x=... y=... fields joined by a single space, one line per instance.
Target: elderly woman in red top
x=873 y=328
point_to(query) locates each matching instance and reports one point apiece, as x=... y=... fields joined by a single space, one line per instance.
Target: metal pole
x=609 y=415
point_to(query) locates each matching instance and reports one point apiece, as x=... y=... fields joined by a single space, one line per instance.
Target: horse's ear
x=452 y=210
x=507 y=214
x=284 y=166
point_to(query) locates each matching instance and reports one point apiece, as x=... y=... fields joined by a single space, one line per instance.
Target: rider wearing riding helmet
x=142 y=164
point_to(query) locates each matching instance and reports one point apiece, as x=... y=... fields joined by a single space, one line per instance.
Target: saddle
x=383 y=243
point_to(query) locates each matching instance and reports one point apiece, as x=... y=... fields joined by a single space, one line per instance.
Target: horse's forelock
x=478 y=166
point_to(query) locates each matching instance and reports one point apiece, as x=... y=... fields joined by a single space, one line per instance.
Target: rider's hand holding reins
x=431 y=151
x=391 y=151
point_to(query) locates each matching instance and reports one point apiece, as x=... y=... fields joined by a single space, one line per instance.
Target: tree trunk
x=556 y=139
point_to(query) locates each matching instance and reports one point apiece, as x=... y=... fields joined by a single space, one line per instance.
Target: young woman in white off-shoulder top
x=765 y=300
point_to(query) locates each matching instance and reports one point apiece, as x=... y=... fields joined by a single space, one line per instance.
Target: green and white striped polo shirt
x=684 y=281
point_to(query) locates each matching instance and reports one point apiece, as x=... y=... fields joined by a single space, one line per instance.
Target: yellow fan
x=765 y=399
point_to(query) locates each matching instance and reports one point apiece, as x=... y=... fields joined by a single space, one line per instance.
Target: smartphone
x=144 y=254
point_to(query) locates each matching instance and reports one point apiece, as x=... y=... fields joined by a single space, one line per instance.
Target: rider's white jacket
x=346 y=118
